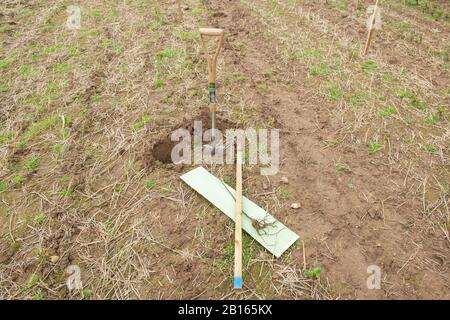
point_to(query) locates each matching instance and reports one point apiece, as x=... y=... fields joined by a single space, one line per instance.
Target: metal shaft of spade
x=212 y=72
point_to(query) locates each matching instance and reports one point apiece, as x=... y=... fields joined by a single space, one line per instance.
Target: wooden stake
x=180 y=12
x=238 y=222
x=372 y=27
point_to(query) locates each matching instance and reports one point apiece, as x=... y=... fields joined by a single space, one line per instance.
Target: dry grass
x=89 y=104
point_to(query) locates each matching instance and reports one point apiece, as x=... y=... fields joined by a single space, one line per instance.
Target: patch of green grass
x=6 y=28
x=283 y=192
x=19 y=179
x=57 y=148
x=227 y=179
x=31 y=164
x=6 y=137
x=65 y=133
x=374 y=147
x=49 y=50
x=40 y=219
x=67 y=192
x=3 y=186
x=387 y=111
x=432 y=119
x=263 y=87
x=39 y=128
x=119 y=188
x=159 y=83
x=167 y=53
x=359 y=98
x=417 y=104
x=313 y=273
x=197 y=11
x=144 y=120
x=226 y=263
x=88 y=34
x=320 y=69
x=430 y=148
x=334 y=90
x=413 y=101
x=5 y=64
x=37 y=295
x=87 y=293
x=388 y=77
x=94 y=13
x=33 y=280
x=150 y=184
x=21 y=144
x=405 y=94
x=62 y=67
x=186 y=35
x=4 y=87
x=401 y=25
x=370 y=65
x=312 y=52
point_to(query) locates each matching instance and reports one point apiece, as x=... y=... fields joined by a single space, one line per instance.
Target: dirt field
x=85 y=176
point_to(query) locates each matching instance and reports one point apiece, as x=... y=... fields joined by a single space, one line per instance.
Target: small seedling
x=313 y=273
x=87 y=293
x=56 y=148
x=3 y=186
x=119 y=188
x=430 y=148
x=320 y=69
x=33 y=279
x=21 y=144
x=144 y=120
x=4 y=88
x=67 y=192
x=432 y=119
x=283 y=192
x=38 y=296
x=150 y=184
x=374 y=147
x=64 y=178
x=5 y=64
x=40 y=219
x=388 y=111
x=31 y=164
x=370 y=66
x=227 y=179
x=5 y=137
x=18 y=179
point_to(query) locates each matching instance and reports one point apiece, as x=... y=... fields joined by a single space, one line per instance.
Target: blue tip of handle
x=238 y=282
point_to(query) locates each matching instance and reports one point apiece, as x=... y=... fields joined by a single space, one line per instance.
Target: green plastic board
x=276 y=238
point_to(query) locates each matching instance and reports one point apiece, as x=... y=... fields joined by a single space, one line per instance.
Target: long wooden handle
x=212 y=62
x=238 y=223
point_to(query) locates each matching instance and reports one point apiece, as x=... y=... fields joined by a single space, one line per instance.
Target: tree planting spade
x=212 y=72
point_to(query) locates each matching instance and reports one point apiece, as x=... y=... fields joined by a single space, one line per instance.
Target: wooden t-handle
x=212 y=62
x=211 y=32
